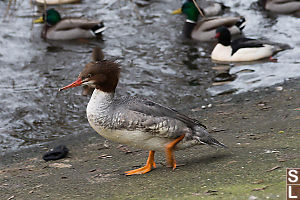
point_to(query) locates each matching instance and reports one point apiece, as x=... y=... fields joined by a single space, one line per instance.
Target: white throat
x=99 y=103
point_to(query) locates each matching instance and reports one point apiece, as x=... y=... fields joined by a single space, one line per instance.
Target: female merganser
x=137 y=122
x=282 y=6
x=239 y=50
x=205 y=29
x=56 y=28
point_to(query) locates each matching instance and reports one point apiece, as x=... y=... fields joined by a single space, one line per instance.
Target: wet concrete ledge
x=261 y=128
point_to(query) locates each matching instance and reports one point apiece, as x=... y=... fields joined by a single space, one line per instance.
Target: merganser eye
x=89 y=76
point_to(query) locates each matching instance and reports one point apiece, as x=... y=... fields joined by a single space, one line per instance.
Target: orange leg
x=171 y=162
x=273 y=59
x=147 y=168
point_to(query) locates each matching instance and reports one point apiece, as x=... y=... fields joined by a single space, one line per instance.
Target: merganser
x=282 y=6
x=57 y=28
x=205 y=29
x=135 y=121
x=239 y=50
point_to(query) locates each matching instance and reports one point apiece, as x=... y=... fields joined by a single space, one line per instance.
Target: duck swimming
x=282 y=6
x=205 y=29
x=137 y=122
x=243 y=49
x=57 y=28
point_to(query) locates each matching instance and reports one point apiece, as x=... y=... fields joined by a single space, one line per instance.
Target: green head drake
x=189 y=9
x=52 y=17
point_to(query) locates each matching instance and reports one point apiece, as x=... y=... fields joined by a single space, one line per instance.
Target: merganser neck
x=100 y=101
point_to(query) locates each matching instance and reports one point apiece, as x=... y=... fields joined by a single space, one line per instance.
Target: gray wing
x=151 y=117
x=212 y=23
x=71 y=23
x=151 y=108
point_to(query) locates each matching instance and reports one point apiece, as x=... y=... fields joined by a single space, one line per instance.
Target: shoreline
x=261 y=128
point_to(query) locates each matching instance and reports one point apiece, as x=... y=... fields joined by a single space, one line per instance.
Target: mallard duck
x=135 y=121
x=282 y=6
x=239 y=50
x=57 y=28
x=205 y=29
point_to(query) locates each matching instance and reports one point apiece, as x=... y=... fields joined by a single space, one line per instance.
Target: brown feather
x=105 y=74
x=97 y=54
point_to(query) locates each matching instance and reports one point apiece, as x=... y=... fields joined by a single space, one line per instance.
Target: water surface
x=146 y=40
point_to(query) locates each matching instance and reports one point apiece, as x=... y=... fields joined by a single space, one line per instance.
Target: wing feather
x=151 y=108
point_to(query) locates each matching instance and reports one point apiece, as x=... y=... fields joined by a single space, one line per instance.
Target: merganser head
x=223 y=35
x=102 y=75
x=97 y=55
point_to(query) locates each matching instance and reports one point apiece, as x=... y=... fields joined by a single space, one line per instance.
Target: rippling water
x=147 y=42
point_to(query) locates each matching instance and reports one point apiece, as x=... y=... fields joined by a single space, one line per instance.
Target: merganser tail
x=204 y=137
x=213 y=141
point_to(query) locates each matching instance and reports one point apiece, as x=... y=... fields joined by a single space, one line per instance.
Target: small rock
x=252 y=198
x=281 y=160
x=258 y=182
x=106 y=145
x=231 y=162
x=212 y=192
x=104 y=156
x=268 y=151
x=124 y=149
x=224 y=77
x=10 y=198
x=272 y=169
x=60 y=165
x=279 y=88
x=38 y=186
x=56 y=153
x=260 y=189
x=196 y=109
